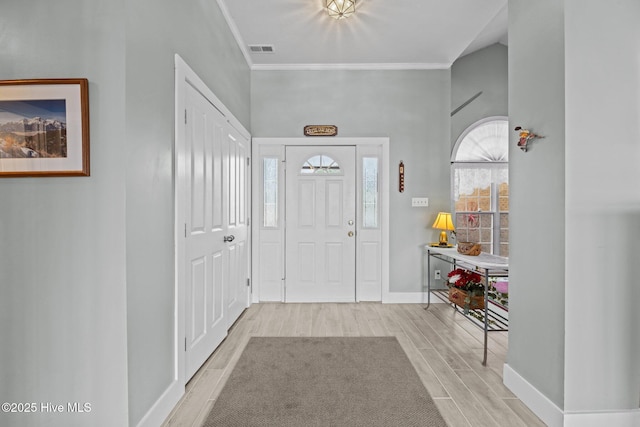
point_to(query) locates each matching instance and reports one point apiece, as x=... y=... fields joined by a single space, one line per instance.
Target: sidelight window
x=370 y=192
x=270 y=194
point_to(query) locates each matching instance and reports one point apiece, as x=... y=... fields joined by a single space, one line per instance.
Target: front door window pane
x=319 y=165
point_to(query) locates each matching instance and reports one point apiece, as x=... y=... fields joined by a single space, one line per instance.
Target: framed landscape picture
x=44 y=127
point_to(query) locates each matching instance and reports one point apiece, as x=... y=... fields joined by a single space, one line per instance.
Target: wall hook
x=525 y=137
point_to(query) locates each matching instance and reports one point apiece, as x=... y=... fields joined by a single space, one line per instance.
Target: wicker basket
x=458 y=296
x=469 y=248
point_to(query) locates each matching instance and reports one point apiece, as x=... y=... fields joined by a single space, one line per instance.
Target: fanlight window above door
x=320 y=165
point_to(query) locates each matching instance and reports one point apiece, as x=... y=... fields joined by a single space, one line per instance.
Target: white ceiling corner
x=398 y=34
x=495 y=31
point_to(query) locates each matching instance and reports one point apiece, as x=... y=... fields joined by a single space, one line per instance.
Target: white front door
x=320 y=224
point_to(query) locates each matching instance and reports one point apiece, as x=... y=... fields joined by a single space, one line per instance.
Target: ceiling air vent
x=261 y=48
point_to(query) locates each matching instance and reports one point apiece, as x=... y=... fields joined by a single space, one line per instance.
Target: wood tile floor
x=444 y=347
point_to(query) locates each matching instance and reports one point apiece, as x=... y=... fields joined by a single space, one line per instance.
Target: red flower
x=465 y=279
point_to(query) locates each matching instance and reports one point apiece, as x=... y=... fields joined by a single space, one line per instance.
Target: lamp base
x=440 y=245
x=444 y=241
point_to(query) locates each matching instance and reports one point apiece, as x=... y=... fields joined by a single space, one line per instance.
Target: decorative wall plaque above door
x=320 y=130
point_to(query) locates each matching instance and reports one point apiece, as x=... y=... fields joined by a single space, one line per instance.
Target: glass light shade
x=340 y=9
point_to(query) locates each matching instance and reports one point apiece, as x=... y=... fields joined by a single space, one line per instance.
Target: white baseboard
x=387 y=298
x=544 y=408
x=553 y=416
x=629 y=418
x=407 y=298
x=163 y=406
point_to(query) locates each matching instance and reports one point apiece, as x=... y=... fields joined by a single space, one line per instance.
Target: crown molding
x=236 y=33
x=372 y=67
x=318 y=67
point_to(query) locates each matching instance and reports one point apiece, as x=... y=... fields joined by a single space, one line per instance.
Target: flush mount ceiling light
x=340 y=9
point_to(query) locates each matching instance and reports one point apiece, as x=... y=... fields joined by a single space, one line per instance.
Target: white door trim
x=275 y=147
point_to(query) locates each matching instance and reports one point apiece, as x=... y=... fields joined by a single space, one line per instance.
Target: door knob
x=229 y=238
x=350 y=234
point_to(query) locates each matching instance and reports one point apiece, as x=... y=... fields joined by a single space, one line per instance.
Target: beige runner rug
x=332 y=381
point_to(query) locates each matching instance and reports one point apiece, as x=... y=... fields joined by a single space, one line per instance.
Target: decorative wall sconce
x=401 y=177
x=525 y=136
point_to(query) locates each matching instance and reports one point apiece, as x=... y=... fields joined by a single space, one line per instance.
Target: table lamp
x=445 y=223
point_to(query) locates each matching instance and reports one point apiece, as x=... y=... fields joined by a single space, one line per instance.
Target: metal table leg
x=486 y=316
x=428 y=274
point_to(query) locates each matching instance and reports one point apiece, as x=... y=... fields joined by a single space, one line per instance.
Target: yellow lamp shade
x=443 y=222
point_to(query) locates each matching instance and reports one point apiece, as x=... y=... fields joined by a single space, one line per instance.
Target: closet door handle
x=229 y=238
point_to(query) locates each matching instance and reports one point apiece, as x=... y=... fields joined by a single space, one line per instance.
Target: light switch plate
x=420 y=202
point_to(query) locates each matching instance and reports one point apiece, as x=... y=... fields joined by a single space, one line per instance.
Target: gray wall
x=482 y=71
x=602 y=42
x=537 y=198
x=197 y=31
x=86 y=264
x=575 y=205
x=410 y=107
x=62 y=240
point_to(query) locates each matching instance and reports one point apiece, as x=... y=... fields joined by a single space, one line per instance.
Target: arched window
x=320 y=165
x=480 y=185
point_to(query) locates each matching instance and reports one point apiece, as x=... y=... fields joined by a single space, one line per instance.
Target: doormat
x=333 y=381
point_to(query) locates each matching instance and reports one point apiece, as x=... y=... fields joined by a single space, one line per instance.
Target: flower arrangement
x=466 y=280
x=466 y=289
x=499 y=291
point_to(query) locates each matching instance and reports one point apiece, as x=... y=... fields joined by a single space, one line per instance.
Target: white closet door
x=207 y=256
x=236 y=287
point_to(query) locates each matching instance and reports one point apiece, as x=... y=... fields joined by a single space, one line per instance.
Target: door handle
x=229 y=238
x=350 y=234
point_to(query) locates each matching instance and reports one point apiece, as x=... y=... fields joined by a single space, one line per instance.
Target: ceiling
x=382 y=34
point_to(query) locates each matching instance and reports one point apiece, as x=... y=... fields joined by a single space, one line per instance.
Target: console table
x=494 y=316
